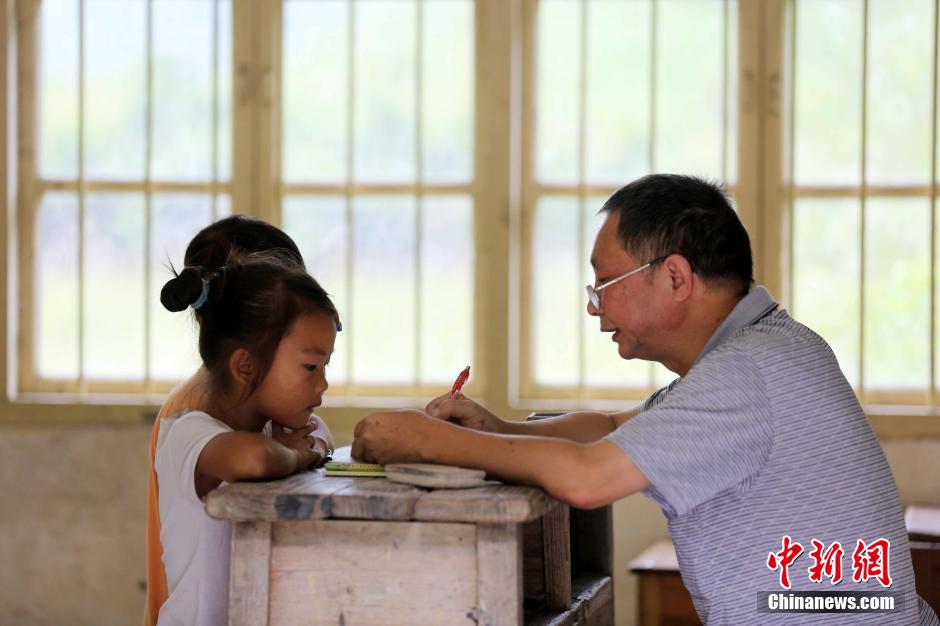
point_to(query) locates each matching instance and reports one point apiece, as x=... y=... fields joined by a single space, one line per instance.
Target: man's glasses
x=594 y=292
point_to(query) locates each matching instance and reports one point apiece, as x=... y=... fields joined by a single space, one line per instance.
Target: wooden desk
x=664 y=600
x=923 y=527
x=313 y=549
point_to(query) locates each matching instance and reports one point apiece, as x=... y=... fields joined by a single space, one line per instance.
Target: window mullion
x=932 y=392
x=256 y=101
x=27 y=198
x=498 y=103
x=148 y=201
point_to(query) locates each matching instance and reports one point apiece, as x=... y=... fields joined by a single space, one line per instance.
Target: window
x=617 y=90
x=123 y=156
x=862 y=188
x=377 y=182
x=133 y=154
x=440 y=164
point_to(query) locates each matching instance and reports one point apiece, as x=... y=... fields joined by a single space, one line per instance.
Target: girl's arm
x=240 y=455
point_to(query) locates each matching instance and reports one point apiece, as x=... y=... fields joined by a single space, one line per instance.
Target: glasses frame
x=593 y=292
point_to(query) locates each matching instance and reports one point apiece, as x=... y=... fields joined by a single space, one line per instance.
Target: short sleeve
x=181 y=448
x=709 y=432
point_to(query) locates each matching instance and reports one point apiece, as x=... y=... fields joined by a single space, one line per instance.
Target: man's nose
x=593 y=310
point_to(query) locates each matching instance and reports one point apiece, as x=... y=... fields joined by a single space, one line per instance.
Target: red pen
x=461 y=379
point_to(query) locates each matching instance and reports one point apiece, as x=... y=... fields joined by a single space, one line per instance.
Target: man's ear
x=680 y=273
x=241 y=366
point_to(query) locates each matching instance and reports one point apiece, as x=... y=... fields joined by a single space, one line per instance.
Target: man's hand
x=392 y=436
x=310 y=449
x=465 y=412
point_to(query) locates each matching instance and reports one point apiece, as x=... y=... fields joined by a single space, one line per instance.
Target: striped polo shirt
x=763 y=439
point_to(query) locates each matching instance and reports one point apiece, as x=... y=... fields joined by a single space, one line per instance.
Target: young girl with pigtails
x=209 y=249
x=266 y=334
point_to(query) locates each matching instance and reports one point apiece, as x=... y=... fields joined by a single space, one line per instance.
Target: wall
x=72 y=504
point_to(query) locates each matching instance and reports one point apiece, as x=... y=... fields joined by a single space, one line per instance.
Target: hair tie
x=202 y=296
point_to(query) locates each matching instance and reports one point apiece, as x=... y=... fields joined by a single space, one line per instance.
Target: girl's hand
x=310 y=449
x=465 y=412
x=322 y=431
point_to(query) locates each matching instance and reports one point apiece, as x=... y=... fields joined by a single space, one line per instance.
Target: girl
x=266 y=335
x=209 y=249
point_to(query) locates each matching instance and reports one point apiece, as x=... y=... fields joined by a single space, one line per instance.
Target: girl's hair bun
x=181 y=291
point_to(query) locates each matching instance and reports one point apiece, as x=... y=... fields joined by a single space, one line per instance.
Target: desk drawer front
x=351 y=572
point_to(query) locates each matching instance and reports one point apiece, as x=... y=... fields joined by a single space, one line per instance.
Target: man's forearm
x=583 y=475
x=513 y=458
x=580 y=426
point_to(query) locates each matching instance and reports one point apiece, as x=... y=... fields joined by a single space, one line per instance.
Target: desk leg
x=250 y=577
x=499 y=574
x=557 y=557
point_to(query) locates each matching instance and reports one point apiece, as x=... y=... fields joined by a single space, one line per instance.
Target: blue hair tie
x=203 y=296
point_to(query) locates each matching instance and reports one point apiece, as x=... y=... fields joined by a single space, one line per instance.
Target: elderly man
x=759 y=453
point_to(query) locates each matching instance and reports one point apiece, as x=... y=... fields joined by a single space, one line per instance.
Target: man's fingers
x=461 y=409
x=434 y=404
x=440 y=410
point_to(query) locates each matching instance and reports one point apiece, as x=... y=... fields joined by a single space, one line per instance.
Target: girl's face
x=295 y=384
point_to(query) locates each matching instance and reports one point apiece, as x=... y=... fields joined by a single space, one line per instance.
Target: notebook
x=344 y=465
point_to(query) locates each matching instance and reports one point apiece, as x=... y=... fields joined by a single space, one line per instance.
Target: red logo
x=826 y=563
x=871 y=561
x=783 y=559
x=868 y=561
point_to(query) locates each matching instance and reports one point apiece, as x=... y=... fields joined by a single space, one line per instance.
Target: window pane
x=557 y=84
x=731 y=95
x=56 y=287
x=900 y=77
x=385 y=91
x=58 y=89
x=224 y=81
x=315 y=106
x=318 y=225
x=114 y=286
x=897 y=293
x=828 y=92
x=182 y=89
x=446 y=287
x=115 y=88
x=174 y=350
x=618 y=92
x=557 y=302
x=383 y=297
x=689 y=87
x=826 y=255
x=447 y=91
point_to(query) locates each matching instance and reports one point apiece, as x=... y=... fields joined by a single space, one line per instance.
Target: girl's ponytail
x=183 y=290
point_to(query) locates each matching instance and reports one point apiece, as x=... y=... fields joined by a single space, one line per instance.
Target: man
x=757 y=449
